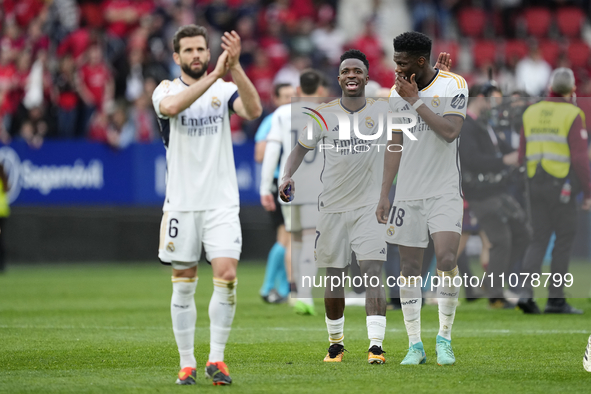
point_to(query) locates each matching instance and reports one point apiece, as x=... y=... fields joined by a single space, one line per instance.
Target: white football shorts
x=183 y=233
x=410 y=222
x=337 y=234
x=300 y=217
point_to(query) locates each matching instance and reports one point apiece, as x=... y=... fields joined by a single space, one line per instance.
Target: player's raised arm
x=448 y=126
x=391 y=164
x=177 y=103
x=248 y=105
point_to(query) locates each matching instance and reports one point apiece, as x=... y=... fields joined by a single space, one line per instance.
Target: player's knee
x=446 y=261
x=410 y=269
x=229 y=274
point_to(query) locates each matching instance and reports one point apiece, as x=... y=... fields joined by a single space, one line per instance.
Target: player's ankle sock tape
x=447 y=299
x=411 y=299
x=376 y=329
x=222 y=308
x=184 y=316
x=336 y=330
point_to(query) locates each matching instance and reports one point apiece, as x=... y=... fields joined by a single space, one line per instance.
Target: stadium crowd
x=86 y=69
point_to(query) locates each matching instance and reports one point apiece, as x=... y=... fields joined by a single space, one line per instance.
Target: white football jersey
x=200 y=162
x=353 y=168
x=286 y=123
x=430 y=166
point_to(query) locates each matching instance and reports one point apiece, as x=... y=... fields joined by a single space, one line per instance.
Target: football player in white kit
x=351 y=183
x=428 y=193
x=202 y=202
x=302 y=214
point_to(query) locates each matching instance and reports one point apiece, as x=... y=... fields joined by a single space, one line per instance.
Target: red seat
x=472 y=21
x=578 y=53
x=484 y=53
x=569 y=21
x=550 y=51
x=538 y=21
x=515 y=50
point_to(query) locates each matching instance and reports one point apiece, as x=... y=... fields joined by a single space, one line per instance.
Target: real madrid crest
x=390 y=231
x=215 y=102
x=369 y=123
x=170 y=247
x=435 y=102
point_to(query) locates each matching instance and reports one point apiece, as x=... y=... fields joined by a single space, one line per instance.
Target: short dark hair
x=310 y=80
x=278 y=87
x=355 y=54
x=188 y=31
x=414 y=43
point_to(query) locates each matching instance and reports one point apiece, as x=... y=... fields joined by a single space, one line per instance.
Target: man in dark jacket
x=486 y=162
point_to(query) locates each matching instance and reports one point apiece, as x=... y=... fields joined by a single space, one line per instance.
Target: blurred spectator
x=94 y=84
x=36 y=40
x=12 y=41
x=122 y=17
x=275 y=48
x=64 y=16
x=66 y=98
x=369 y=43
x=290 y=73
x=245 y=27
x=16 y=95
x=24 y=11
x=219 y=15
x=112 y=129
x=143 y=119
x=301 y=42
x=329 y=40
x=76 y=43
x=533 y=73
x=35 y=127
x=134 y=81
x=382 y=72
x=261 y=74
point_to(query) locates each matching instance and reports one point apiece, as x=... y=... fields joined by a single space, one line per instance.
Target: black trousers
x=550 y=215
x=505 y=223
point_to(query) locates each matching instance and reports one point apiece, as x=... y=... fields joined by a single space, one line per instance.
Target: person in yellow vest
x=4 y=213
x=554 y=148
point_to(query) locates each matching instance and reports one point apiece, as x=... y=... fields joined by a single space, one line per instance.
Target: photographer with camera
x=487 y=162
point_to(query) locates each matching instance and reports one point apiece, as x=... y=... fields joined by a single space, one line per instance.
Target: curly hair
x=414 y=43
x=355 y=54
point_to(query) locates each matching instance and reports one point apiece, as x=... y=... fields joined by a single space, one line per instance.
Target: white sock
x=296 y=253
x=184 y=316
x=447 y=298
x=221 y=314
x=306 y=267
x=376 y=330
x=411 y=300
x=335 y=330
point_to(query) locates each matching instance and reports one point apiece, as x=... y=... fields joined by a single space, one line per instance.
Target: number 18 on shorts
x=409 y=222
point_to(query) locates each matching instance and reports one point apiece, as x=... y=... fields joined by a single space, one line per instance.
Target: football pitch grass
x=105 y=328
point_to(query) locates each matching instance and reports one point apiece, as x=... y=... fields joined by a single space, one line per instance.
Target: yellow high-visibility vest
x=546 y=125
x=4 y=208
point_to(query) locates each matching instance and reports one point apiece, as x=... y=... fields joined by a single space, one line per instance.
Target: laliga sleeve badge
x=170 y=247
x=390 y=231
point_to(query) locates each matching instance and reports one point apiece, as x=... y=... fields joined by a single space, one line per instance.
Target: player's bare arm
x=448 y=127
x=391 y=164
x=291 y=165
x=175 y=104
x=248 y=105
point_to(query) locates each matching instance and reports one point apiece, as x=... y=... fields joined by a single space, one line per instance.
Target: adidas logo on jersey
x=237 y=241
x=383 y=251
x=336 y=128
x=322 y=204
x=458 y=224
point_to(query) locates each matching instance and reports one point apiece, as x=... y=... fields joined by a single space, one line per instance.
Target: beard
x=195 y=74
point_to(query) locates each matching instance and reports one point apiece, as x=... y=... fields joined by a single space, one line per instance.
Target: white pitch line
x=165 y=328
